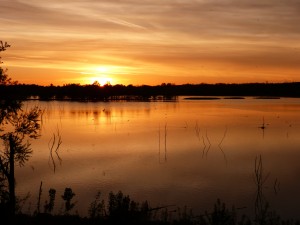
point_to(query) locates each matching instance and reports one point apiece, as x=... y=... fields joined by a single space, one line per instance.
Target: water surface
x=183 y=153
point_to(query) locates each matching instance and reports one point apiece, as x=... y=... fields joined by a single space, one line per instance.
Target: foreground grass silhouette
x=120 y=209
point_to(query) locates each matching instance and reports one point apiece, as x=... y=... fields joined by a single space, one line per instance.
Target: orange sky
x=151 y=41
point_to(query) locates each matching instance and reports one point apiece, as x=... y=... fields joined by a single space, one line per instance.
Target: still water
x=183 y=153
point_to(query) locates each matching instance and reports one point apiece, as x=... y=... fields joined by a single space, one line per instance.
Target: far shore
x=163 y=92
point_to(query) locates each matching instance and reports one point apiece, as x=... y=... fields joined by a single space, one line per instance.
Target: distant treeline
x=146 y=92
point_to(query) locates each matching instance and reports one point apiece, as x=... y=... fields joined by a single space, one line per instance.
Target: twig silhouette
x=207 y=138
x=204 y=148
x=224 y=155
x=39 y=198
x=52 y=142
x=276 y=186
x=166 y=142
x=59 y=142
x=159 y=144
x=209 y=144
x=259 y=181
x=197 y=130
x=223 y=137
x=220 y=145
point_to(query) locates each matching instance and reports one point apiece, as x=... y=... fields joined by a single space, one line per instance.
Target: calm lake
x=182 y=153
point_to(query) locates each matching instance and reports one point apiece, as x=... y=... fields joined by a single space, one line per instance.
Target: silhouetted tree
x=50 y=205
x=67 y=197
x=16 y=128
x=97 y=207
x=4 y=79
x=96 y=83
x=22 y=125
x=122 y=208
x=118 y=205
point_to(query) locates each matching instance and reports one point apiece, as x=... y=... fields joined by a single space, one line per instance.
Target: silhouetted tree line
x=146 y=92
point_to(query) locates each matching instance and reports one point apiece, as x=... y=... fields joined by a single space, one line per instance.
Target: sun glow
x=101 y=74
x=101 y=80
x=102 y=69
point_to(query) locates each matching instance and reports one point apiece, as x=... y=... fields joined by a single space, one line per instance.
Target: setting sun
x=101 y=74
x=102 y=80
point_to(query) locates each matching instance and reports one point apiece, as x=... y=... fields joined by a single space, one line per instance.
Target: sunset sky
x=151 y=41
